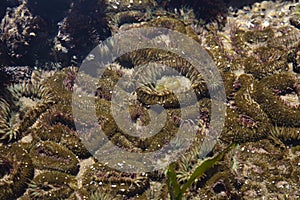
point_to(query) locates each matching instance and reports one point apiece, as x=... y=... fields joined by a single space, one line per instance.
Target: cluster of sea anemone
x=43 y=156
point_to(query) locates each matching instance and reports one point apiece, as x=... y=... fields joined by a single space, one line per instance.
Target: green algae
x=176 y=191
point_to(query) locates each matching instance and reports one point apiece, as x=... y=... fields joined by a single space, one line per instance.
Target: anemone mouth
x=110 y=180
x=5 y=168
x=57 y=116
x=168 y=91
x=51 y=185
x=52 y=156
x=290 y=99
x=168 y=84
x=273 y=95
x=289 y=95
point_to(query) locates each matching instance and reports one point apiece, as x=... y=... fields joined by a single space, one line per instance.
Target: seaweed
x=176 y=191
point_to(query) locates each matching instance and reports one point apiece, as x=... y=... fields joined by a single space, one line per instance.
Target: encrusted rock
x=80 y=31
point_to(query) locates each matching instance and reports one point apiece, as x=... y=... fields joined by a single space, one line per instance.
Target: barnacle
x=52 y=156
x=207 y=10
x=70 y=44
x=118 y=5
x=15 y=171
x=16 y=27
x=100 y=176
x=52 y=185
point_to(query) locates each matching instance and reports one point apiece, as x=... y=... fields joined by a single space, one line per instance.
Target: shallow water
x=172 y=82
